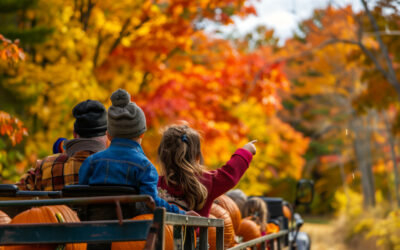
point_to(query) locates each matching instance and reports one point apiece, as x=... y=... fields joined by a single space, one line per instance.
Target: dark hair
x=181 y=162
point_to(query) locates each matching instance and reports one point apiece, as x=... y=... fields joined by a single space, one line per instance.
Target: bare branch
x=120 y=36
x=100 y=41
x=123 y=32
x=391 y=75
x=87 y=15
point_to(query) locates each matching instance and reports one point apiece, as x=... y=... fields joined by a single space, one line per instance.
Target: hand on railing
x=192 y=213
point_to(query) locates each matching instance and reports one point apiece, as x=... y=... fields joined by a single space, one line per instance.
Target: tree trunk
x=362 y=148
x=393 y=157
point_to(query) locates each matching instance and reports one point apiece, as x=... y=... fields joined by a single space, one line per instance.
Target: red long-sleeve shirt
x=216 y=181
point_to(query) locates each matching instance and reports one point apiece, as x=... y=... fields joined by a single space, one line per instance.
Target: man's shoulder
x=92 y=155
x=61 y=157
x=82 y=155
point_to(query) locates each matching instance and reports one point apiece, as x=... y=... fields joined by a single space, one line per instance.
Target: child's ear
x=141 y=136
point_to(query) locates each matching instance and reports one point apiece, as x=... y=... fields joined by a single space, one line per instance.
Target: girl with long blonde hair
x=185 y=181
x=257 y=210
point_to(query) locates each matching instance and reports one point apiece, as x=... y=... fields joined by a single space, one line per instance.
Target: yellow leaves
x=112 y=26
x=98 y=17
x=154 y=9
x=66 y=14
x=364 y=226
x=353 y=202
x=143 y=31
x=280 y=148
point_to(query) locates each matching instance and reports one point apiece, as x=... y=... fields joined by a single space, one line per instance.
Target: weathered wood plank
x=94 y=231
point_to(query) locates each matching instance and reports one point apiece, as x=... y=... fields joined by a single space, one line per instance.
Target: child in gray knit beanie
x=125 y=118
x=124 y=162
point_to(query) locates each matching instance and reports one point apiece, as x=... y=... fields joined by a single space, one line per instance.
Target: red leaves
x=12 y=128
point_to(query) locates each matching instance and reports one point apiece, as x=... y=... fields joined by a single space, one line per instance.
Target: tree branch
x=120 y=36
x=87 y=15
x=391 y=74
x=100 y=41
x=122 y=33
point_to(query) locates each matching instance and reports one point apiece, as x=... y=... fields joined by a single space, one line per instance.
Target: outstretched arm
x=229 y=175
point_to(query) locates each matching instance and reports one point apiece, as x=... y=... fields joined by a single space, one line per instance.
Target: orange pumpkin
x=229 y=233
x=46 y=214
x=4 y=218
x=229 y=205
x=272 y=228
x=212 y=231
x=169 y=237
x=248 y=230
x=286 y=212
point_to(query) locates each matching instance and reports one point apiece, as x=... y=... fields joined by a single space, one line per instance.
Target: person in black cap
x=57 y=170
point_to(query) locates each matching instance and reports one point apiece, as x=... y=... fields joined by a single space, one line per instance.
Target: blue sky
x=283 y=15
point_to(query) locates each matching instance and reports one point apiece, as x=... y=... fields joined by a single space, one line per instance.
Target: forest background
x=323 y=105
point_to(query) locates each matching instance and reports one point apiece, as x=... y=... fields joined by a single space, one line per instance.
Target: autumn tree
x=175 y=71
x=369 y=50
x=326 y=83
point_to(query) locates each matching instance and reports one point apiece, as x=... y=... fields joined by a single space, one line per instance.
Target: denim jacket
x=124 y=163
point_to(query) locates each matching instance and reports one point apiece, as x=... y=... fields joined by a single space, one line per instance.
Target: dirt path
x=323 y=237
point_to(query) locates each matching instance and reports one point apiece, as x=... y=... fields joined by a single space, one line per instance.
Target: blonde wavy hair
x=181 y=163
x=256 y=209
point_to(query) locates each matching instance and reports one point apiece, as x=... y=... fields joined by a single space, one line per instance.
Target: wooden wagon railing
x=122 y=229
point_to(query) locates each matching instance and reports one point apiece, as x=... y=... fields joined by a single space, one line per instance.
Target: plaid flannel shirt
x=54 y=172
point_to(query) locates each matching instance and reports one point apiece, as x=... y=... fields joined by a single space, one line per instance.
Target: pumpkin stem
x=60 y=218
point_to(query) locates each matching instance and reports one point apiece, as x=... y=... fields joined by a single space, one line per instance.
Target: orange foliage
x=9 y=50
x=12 y=127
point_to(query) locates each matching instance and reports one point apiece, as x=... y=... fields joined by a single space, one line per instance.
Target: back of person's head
x=256 y=209
x=181 y=162
x=239 y=197
x=125 y=118
x=90 y=119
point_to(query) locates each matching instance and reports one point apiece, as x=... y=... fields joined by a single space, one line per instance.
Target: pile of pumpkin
x=236 y=229
x=46 y=214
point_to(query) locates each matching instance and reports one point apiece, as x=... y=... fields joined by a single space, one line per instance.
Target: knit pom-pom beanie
x=125 y=118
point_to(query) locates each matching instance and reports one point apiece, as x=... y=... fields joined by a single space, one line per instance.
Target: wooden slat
x=220 y=238
x=175 y=219
x=78 y=201
x=259 y=240
x=95 y=231
x=203 y=238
